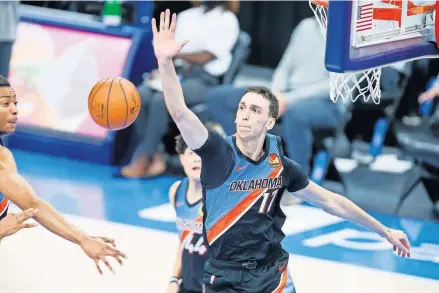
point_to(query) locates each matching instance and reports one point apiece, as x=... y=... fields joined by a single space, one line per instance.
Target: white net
x=352 y=85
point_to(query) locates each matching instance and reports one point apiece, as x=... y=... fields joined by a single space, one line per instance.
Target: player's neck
x=252 y=148
x=195 y=190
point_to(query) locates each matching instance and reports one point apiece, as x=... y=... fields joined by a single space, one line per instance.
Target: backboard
x=362 y=36
x=365 y=34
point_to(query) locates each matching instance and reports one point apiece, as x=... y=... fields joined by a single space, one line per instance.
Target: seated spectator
x=301 y=83
x=212 y=30
x=430 y=94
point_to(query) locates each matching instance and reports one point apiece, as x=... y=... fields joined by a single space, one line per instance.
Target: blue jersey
x=4 y=202
x=242 y=215
x=190 y=227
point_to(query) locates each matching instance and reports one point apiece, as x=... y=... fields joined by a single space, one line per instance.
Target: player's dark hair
x=180 y=144
x=209 y=5
x=268 y=94
x=4 y=82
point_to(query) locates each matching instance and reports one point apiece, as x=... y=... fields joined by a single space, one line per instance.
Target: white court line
x=36 y=261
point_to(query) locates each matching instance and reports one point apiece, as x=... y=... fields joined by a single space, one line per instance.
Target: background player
x=185 y=196
x=241 y=178
x=15 y=188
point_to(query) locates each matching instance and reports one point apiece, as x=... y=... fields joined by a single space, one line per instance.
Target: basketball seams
x=126 y=101
x=108 y=103
x=134 y=93
x=92 y=98
x=116 y=92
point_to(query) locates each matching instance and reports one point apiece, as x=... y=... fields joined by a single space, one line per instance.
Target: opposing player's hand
x=165 y=45
x=173 y=288
x=13 y=223
x=399 y=241
x=98 y=249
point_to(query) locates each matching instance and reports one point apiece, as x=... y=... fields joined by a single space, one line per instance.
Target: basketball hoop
x=350 y=85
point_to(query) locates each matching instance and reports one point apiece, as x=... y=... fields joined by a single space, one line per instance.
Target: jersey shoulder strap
x=180 y=193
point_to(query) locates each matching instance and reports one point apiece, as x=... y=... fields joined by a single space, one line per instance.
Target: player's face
x=191 y=164
x=8 y=110
x=252 y=118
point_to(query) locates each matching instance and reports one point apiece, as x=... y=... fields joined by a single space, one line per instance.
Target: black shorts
x=227 y=277
x=184 y=291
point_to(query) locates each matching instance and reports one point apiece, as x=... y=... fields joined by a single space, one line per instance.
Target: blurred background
x=383 y=157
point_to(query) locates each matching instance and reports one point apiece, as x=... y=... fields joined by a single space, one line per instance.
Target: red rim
x=324 y=3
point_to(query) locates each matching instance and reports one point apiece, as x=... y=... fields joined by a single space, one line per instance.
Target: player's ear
x=270 y=123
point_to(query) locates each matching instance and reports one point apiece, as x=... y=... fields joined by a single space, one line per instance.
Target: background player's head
x=8 y=107
x=190 y=161
x=257 y=113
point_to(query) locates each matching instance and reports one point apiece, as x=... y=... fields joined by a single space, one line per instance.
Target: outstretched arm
x=166 y=48
x=342 y=207
x=19 y=191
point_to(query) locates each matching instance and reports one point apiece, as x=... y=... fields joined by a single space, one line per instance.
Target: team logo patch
x=274 y=160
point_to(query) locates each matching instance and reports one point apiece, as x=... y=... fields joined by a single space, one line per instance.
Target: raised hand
x=165 y=45
x=399 y=241
x=13 y=223
x=97 y=248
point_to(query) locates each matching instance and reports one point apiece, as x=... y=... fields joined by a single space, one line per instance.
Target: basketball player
x=14 y=188
x=185 y=196
x=243 y=177
x=12 y=223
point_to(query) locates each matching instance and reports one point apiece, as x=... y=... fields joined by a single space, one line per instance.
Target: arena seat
x=421 y=143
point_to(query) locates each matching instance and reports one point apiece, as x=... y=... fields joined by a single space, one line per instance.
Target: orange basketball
x=114 y=103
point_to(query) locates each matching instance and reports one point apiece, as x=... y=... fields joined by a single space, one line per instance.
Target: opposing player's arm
x=19 y=191
x=165 y=47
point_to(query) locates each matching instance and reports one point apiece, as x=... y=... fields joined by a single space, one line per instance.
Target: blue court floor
x=327 y=254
